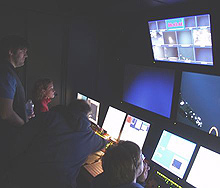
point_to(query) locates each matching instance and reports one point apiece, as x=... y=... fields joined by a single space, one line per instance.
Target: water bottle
x=30 y=109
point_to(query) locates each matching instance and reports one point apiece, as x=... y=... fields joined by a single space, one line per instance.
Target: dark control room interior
x=155 y=60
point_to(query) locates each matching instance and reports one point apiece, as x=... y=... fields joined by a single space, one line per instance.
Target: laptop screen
x=113 y=122
x=135 y=130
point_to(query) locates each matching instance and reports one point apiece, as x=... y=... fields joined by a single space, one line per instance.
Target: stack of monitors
x=95 y=106
x=199 y=102
x=173 y=153
x=113 y=122
x=182 y=40
x=135 y=130
x=149 y=88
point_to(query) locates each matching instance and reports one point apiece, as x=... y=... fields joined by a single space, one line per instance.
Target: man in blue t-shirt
x=13 y=52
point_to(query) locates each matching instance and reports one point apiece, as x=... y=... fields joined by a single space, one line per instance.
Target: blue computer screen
x=199 y=104
x=173 y=153
x=149 y=88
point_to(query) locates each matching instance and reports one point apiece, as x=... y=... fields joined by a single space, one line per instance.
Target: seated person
x=123 y=166
x=53 y=146
x=42 y=92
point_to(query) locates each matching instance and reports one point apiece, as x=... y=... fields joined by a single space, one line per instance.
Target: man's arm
x=8 y=114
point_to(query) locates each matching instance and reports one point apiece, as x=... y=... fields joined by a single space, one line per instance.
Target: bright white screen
x=205 y=169
x=135 y=130
x=173 y=153
x=81 y=96
x=95 y=110
x=113 y=122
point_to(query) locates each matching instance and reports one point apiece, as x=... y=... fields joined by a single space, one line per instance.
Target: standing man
x=13 y=52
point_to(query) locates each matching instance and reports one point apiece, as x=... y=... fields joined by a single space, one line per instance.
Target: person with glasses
x=123 y=167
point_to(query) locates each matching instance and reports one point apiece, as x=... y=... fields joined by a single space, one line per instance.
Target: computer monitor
x=113 y=122
x=173 y=153
x=182 y=40
x=150 y=88
x=199 y=102
x=95 y=106
x=81 y=96
x=135 y=130
x=205 y=169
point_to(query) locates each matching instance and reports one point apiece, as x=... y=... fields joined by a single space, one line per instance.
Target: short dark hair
x=80 y=106
x=120 y=163
x=75 y=113
x=13 y=43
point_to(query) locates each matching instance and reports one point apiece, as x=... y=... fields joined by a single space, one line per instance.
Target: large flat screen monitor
x=150 y=88
x=182 y=40
x=205 y=169
x=135 y=130
x=199 y=104
x=173 y=153
x=113 y=122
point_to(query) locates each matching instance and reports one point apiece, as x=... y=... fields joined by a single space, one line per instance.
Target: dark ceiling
x=67 y=6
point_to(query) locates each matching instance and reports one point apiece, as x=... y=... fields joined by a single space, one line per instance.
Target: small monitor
x=81 y=96
x=205 y=169
x=113 y=122
x=182 y=40
x=135 y=130
x=95 y=106
x=150 y=88
x=199 y=102
x=173 y=153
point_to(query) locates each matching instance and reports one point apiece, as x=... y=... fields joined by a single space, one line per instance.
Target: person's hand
x=142 y=178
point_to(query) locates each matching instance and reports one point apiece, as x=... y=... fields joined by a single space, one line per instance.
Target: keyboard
x=95 y=168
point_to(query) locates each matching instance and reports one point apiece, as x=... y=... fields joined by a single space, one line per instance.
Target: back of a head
x=80 y=106
x=120 y=163
x=13 y=43
x=76 y=114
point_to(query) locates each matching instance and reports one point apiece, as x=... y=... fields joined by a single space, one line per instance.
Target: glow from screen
x=135 y=130
x=95 y=106
x=81 y=96
x=173 y=153
x=113 y=122
x=205 y=169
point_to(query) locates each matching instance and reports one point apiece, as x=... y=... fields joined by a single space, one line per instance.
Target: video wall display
x=199 y=102
x=182 y=40
x=149 y=88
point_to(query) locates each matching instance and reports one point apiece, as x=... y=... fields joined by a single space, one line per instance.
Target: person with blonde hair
x=43 y=91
